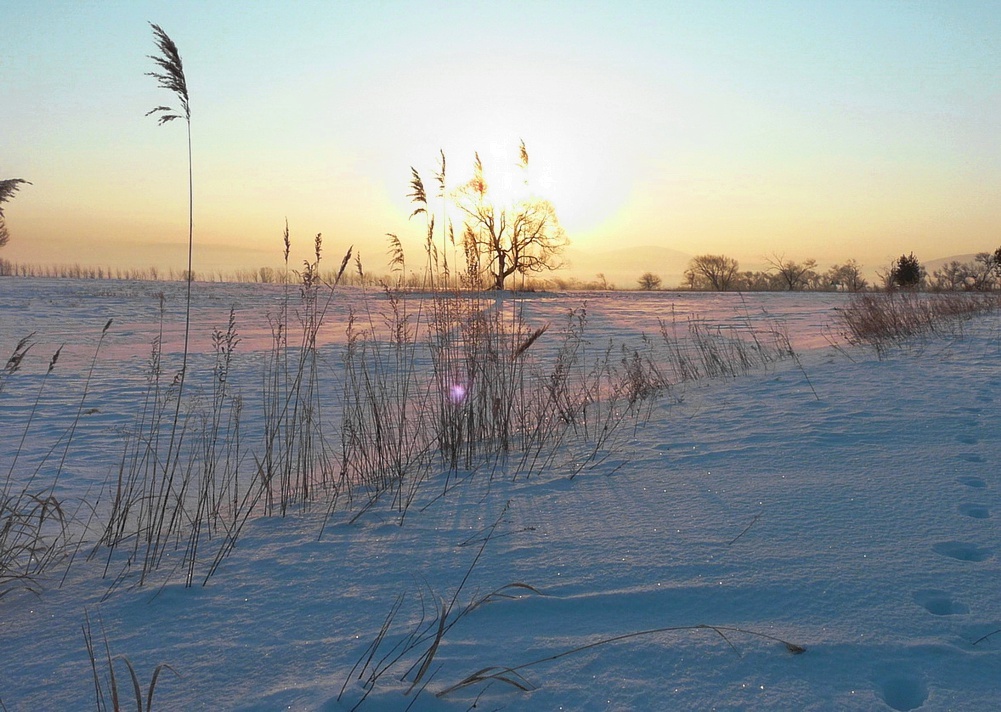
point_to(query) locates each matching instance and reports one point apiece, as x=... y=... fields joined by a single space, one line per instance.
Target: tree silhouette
x=514 y=239
x=793 y=275
x=715 y=272
x=846 y=277
x=906 y=272
x=7 y=189
x=648 y=281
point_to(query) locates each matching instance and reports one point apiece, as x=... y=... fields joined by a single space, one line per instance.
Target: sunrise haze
x=811 y=130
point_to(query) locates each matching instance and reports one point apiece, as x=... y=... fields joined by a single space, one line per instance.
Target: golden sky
x=808 y=129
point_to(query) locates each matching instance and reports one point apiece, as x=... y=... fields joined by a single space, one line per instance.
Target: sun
x=587 y=191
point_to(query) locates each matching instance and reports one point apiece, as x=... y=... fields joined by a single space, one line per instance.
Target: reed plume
x=171 y=78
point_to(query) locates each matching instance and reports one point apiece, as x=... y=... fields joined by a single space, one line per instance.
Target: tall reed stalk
x=171 y=77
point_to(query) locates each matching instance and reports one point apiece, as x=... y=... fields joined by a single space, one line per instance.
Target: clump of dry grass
x=884 y=319
x=296 y=457
x=34 y=537
x=701 y=350
x=35 y=532
x=456 y=380
x=178 y=483
x=192 y=482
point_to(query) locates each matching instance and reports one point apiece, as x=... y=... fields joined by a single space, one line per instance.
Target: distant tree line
x=720 y=273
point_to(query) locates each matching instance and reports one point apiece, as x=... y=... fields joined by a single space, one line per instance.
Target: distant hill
x=932 y=265
x=624 y=266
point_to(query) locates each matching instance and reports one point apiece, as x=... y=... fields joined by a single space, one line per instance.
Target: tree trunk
x=499 y=277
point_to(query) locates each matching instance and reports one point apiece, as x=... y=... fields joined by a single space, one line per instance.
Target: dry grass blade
x=92 y=655
x=344 y=264
x=487 y=674
x=171 y=78
x=430 y=653
x=136 y=687
x=504 y=592
x=152 y=683
x=985 y=637
x=745 y=529
x=527 y=343
x=368 y=656
x=511 y=675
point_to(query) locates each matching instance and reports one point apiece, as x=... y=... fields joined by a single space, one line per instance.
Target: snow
x=840 y=502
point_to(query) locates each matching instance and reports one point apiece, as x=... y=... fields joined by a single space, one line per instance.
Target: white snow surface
x=840 y=502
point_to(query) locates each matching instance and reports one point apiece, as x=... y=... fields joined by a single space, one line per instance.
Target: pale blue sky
x=829 y=130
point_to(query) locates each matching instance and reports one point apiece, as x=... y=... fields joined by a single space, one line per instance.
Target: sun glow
x=574 y=184
x=580 y=152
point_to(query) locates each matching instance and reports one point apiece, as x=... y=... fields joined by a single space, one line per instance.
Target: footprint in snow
x=963 y=551
x=939 y=603
x=971 y=481
x=977 y=511
x=904 y=693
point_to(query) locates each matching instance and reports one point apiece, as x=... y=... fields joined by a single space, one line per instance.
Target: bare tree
x=505 y=240
x=982 y=274
x=714 y=272
x=7 y=189
x=988 y=272
x=793 y=275
x=846 y=277
x=648 y=281
x=953 y=276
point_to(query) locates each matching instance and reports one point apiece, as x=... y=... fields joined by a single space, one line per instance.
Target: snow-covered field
x=819 y=534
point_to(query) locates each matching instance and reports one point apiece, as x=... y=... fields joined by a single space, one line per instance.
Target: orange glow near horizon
x=748 y=130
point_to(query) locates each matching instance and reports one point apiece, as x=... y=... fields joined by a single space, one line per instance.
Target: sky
x=842 y=130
